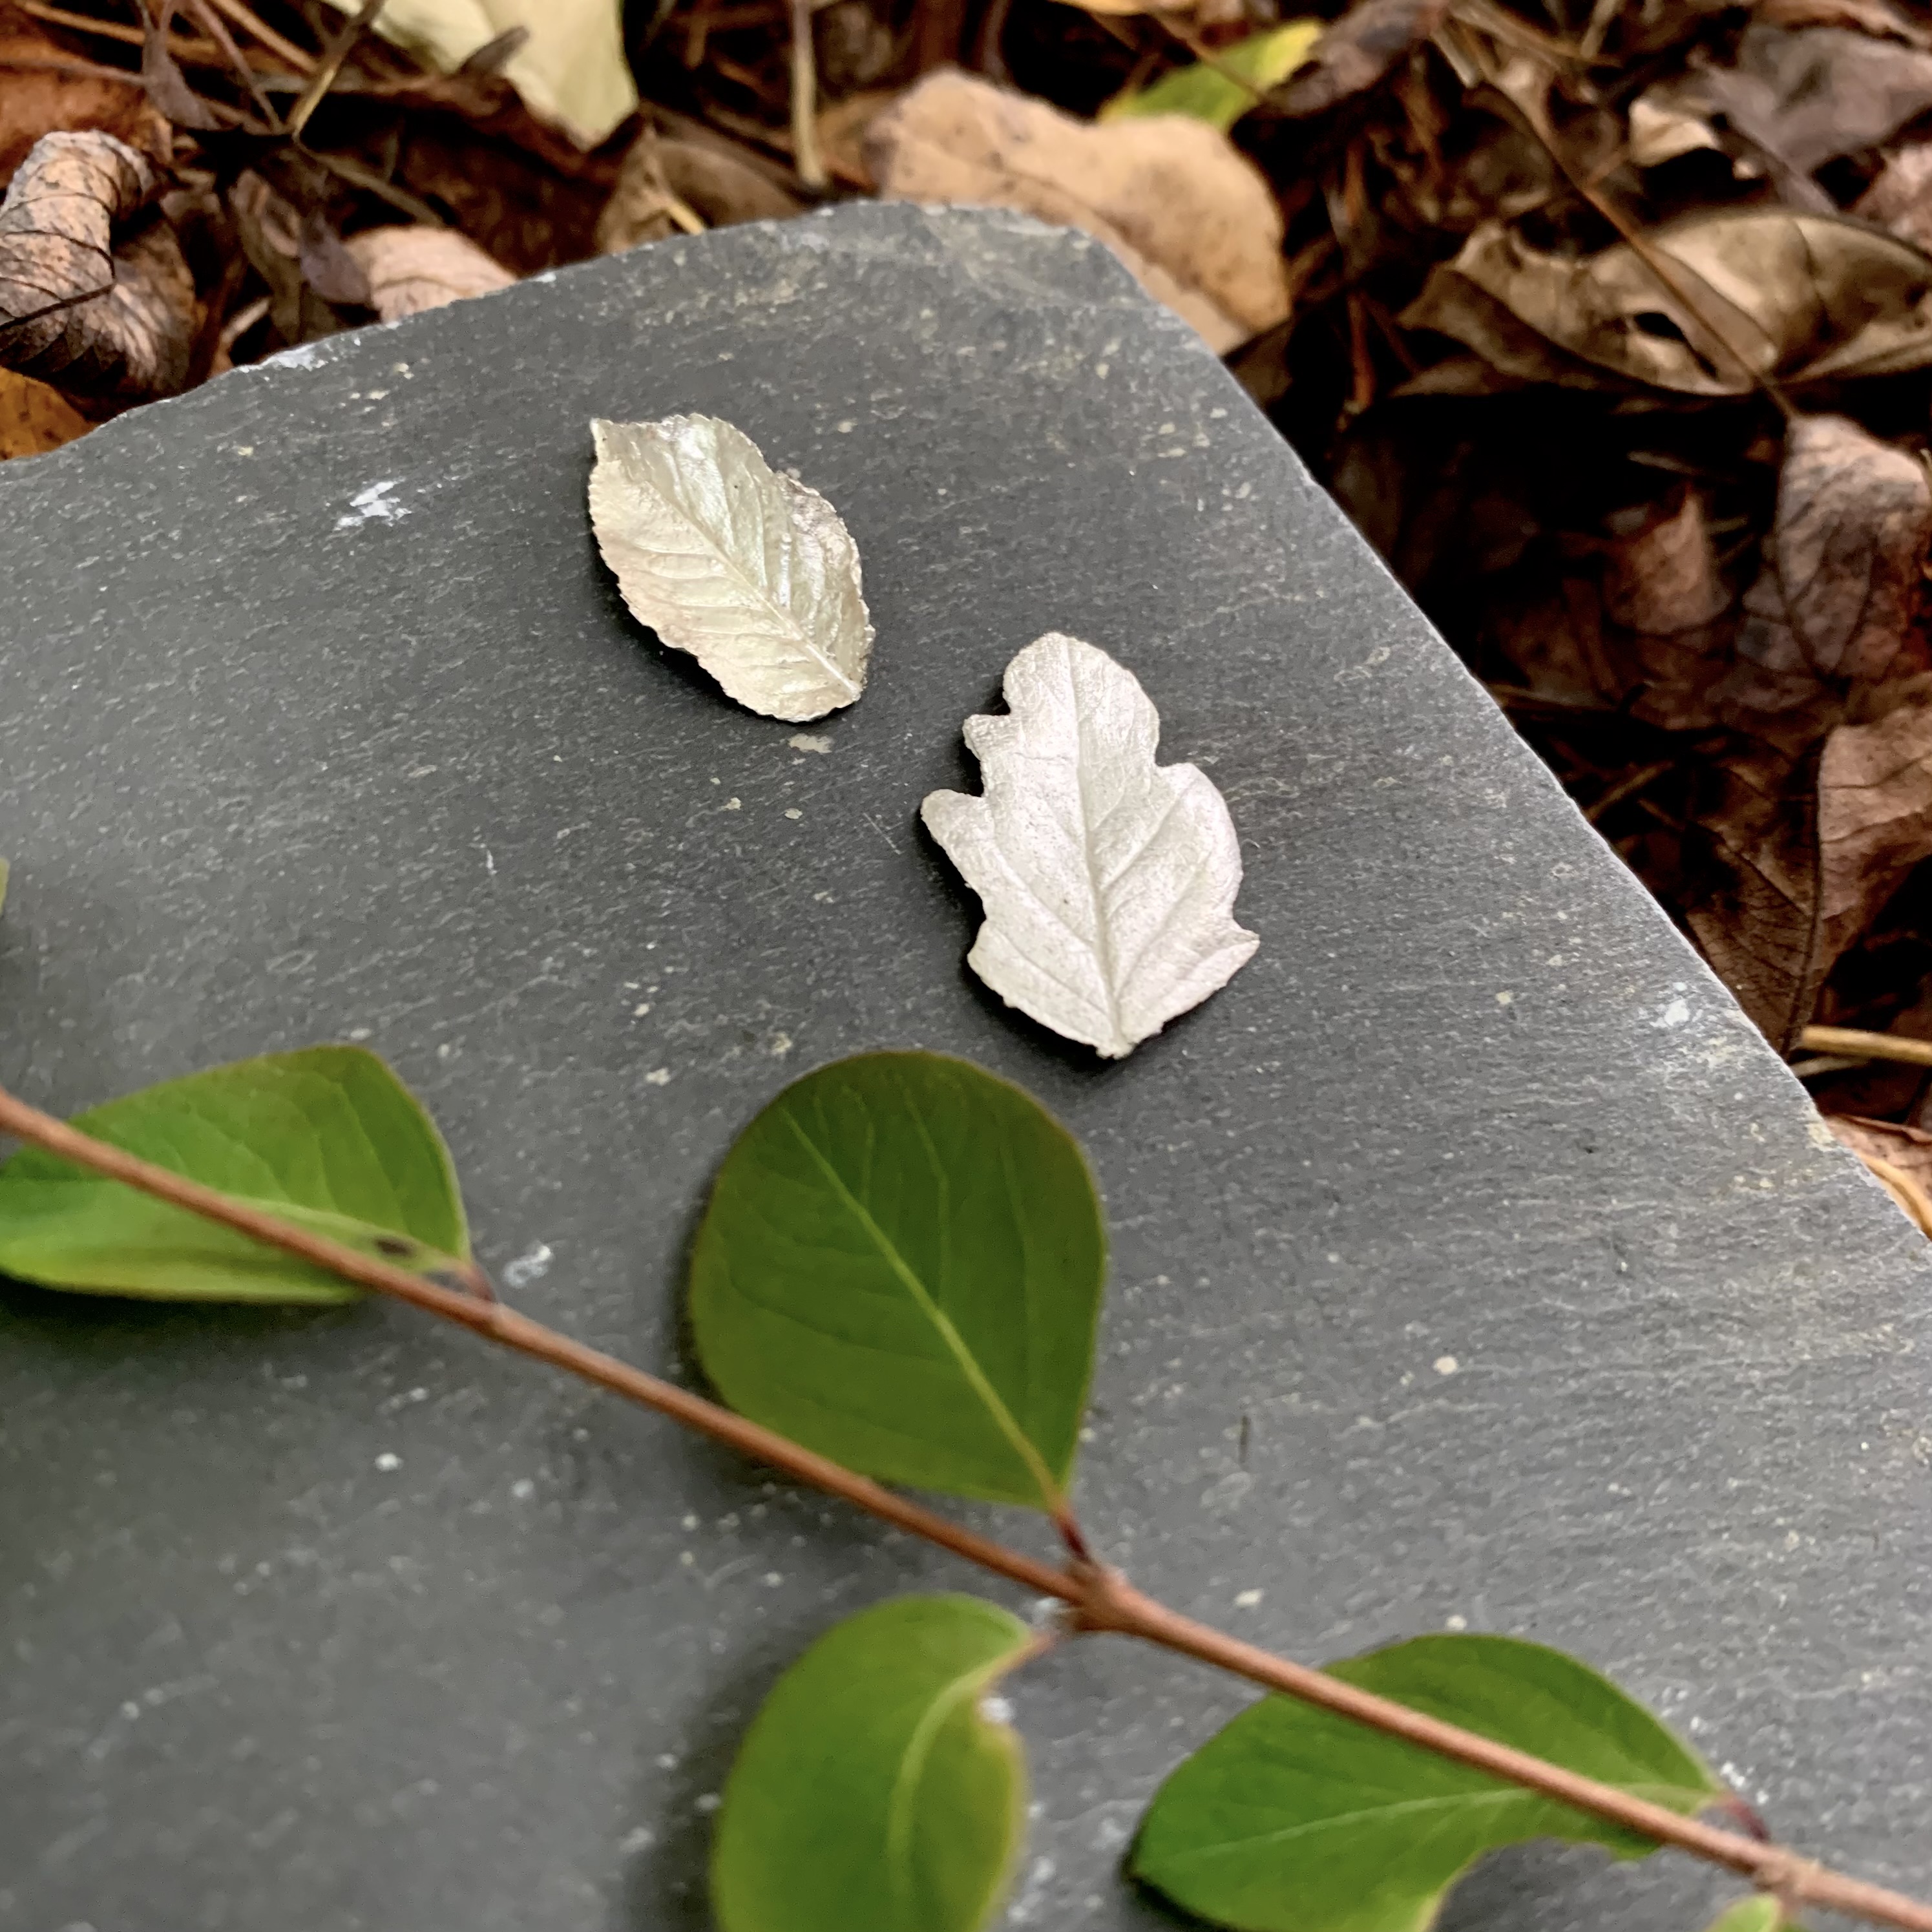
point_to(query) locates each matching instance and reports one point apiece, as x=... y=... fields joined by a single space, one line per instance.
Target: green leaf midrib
x=900 y=1815
x=1660 y=1794
x=949 y=1336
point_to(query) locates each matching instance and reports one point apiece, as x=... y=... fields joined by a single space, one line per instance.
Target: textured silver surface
x=1473 y=1258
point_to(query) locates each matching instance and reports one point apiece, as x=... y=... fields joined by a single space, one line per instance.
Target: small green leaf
x=901 y=1267
x=1205 y=93
x=872 y=1793
x=1750 y=1915
x=1294 y=1819
x=328 y=1138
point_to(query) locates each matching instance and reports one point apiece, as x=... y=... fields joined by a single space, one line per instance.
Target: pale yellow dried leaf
x=572 y=70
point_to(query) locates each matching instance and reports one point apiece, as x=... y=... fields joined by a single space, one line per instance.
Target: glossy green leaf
x=327 y=1137
x=1751 y=1915
x=1205 y=93
x=901 y=1267
x=873 y=1793
x=1293 y=1820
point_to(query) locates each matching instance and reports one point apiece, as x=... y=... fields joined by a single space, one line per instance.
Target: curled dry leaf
x=78 y=312
x=1831 y=609
x=1357 y=50
x=1108 y=881
x=408 y=268
x=665 y=181
x=1799 y=878
x=272 y=234
x=1797 y=297
x=748 y=570
x=1194 y=221
x=570 y=68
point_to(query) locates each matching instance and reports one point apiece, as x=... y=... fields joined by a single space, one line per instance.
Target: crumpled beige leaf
x=94 y=311
x=1799 y=298
x=1899 y=1156
x=1798 y=880
x=748 y=570
x=1194 y=221
x=571 y=70
x=1108 y=881
x=665 y=181
x=1831 y=610
x=409 y=268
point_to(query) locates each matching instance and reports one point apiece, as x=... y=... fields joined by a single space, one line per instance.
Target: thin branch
x=323 y=77
x=1857 y=1044
x=298 y=58
x=806 y=156
x=1099 y=1599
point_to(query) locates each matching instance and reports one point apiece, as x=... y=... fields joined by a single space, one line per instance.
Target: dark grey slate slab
x=1473 y=1260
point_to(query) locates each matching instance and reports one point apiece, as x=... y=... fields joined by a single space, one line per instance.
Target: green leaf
x=1205 y=93
x=901 y=1267
x=1750 y=1915
x=1294 y=1819
x=872 y=1793
x=328 y=1138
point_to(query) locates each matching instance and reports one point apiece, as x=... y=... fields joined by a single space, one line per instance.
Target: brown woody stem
x=1100 y=1600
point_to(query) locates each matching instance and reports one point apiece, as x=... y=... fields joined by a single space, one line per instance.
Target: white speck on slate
x=358 y=1033
x=659 y=1076
x=639 y=1838
x=690 y=1523
x=781 y=1046
x=1505 y=999
x=531 y=1265
x=1455 y=1623
x=522 y=1488
x=792 y=811
x=1247 y=1599
x=846 y=427
x=245 y=449
x=373 y=505
x=389 y=1460
x=1676 y=1014
x=708 y=1803
x=639 y=1010
x=734 y=805
x=773 y=1580
x=809 y=741
x=996 y=1710
x=1446 y=1365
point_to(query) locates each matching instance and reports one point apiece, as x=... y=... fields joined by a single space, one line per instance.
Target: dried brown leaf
x=1356 y=52
x=79 y=312
x=1868 y=16
x=1797 y=99
x=271 y=234
x=1800 y=297
x=1900 y=196
x=42 y=93
x=1194 y=221
x=665 y=177
x=34 y=418
x=1832 y=609
x=1664 y=579
x=1908 y=1149
x=1799 y=878
x=409 y=269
